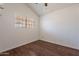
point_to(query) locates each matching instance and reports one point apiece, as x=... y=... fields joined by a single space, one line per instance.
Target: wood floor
x=42 y=48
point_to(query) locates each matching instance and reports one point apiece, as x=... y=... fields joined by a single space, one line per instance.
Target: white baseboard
x=16 y=46
x=60 y=44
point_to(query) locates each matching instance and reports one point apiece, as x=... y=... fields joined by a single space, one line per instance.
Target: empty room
x=39 y=29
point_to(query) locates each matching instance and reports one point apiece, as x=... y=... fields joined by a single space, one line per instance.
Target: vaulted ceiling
x=41 y=9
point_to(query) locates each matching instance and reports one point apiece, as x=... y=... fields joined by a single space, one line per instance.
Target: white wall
x=61 y=27
x=10 y=36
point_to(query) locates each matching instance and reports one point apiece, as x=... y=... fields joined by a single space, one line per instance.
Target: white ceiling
x=40 y=8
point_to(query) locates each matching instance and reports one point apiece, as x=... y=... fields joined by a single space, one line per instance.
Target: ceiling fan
x=45 y=4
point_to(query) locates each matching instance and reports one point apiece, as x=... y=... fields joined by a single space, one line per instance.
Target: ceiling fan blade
x=1 y=8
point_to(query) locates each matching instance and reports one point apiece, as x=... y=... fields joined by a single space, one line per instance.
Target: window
x=24 y=22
